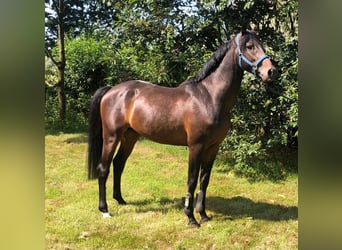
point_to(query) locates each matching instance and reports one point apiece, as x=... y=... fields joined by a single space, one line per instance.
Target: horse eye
x=250 y=47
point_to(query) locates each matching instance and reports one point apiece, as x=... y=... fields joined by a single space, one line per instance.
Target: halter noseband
x=254 y=65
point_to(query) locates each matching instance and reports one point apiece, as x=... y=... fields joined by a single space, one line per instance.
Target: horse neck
x=223 y=84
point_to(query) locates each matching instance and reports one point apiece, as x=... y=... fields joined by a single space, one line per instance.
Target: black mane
x=211 y=65
x=215 y=60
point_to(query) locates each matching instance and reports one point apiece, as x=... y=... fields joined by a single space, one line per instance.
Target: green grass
x=261 y=215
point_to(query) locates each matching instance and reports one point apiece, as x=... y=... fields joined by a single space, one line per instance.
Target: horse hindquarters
x=115 y=130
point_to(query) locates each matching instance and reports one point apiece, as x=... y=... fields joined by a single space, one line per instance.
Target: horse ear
x=255 y=30
x=244 y=26
x=243 y=32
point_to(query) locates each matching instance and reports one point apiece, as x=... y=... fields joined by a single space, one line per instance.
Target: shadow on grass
x=232 y=208
x=68 y=126
x=81 y=138
x=239 y=207
x=163 y=205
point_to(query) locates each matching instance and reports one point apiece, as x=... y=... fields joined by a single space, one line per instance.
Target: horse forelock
x=250 y=35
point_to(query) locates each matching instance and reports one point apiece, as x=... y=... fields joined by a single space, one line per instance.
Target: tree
x=74 y=16
x=59 y=9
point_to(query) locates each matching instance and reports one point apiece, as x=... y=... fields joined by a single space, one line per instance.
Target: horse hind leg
x=109 y=145
x=128 y=141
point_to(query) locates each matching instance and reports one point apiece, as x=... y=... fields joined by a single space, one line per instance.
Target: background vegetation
x=165 y=42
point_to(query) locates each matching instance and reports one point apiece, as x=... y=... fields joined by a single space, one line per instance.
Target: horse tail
x=95 y=139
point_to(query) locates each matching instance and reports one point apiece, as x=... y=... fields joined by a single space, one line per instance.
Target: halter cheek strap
x=254 y=65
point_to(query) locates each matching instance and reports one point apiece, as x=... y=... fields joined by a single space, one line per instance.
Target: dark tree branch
x=48 y=53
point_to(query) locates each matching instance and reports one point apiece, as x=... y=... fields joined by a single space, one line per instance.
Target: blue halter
x=254 y=65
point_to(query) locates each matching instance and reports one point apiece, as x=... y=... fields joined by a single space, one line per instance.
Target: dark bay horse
x=194 y=114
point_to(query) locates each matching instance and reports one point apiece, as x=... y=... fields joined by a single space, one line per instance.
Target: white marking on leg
x=106 y=215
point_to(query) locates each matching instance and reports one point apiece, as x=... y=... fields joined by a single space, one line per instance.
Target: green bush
x=88 y=67
x=74 y=121
x=262 y=143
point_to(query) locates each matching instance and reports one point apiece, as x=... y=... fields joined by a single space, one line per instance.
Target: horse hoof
x=120 y=200
x=106 y=215
x=193 y=223
x=205 y=219
x=123 y=202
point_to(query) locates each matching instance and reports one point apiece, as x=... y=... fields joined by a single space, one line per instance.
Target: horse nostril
x=271 y=73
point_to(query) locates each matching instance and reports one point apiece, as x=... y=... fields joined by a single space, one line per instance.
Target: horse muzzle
x=268 y=73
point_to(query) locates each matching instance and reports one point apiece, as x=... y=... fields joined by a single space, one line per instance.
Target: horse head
x=251 y=56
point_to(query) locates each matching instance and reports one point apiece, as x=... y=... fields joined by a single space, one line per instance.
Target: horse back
x=152 y=111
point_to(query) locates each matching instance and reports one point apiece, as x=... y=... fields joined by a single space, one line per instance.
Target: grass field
x=262 y=215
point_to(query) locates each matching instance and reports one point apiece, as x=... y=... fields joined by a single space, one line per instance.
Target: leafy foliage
x=88 y=68
x=264 y=134
x=166 y=42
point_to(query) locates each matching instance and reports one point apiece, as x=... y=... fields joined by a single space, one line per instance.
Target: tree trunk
x=61 y=62
x=61 y=93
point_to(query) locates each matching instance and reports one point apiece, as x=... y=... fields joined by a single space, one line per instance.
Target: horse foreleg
x=206 y=167
x=201 y=195
x=126 y=146
x=109 y=145
x=193 y=172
